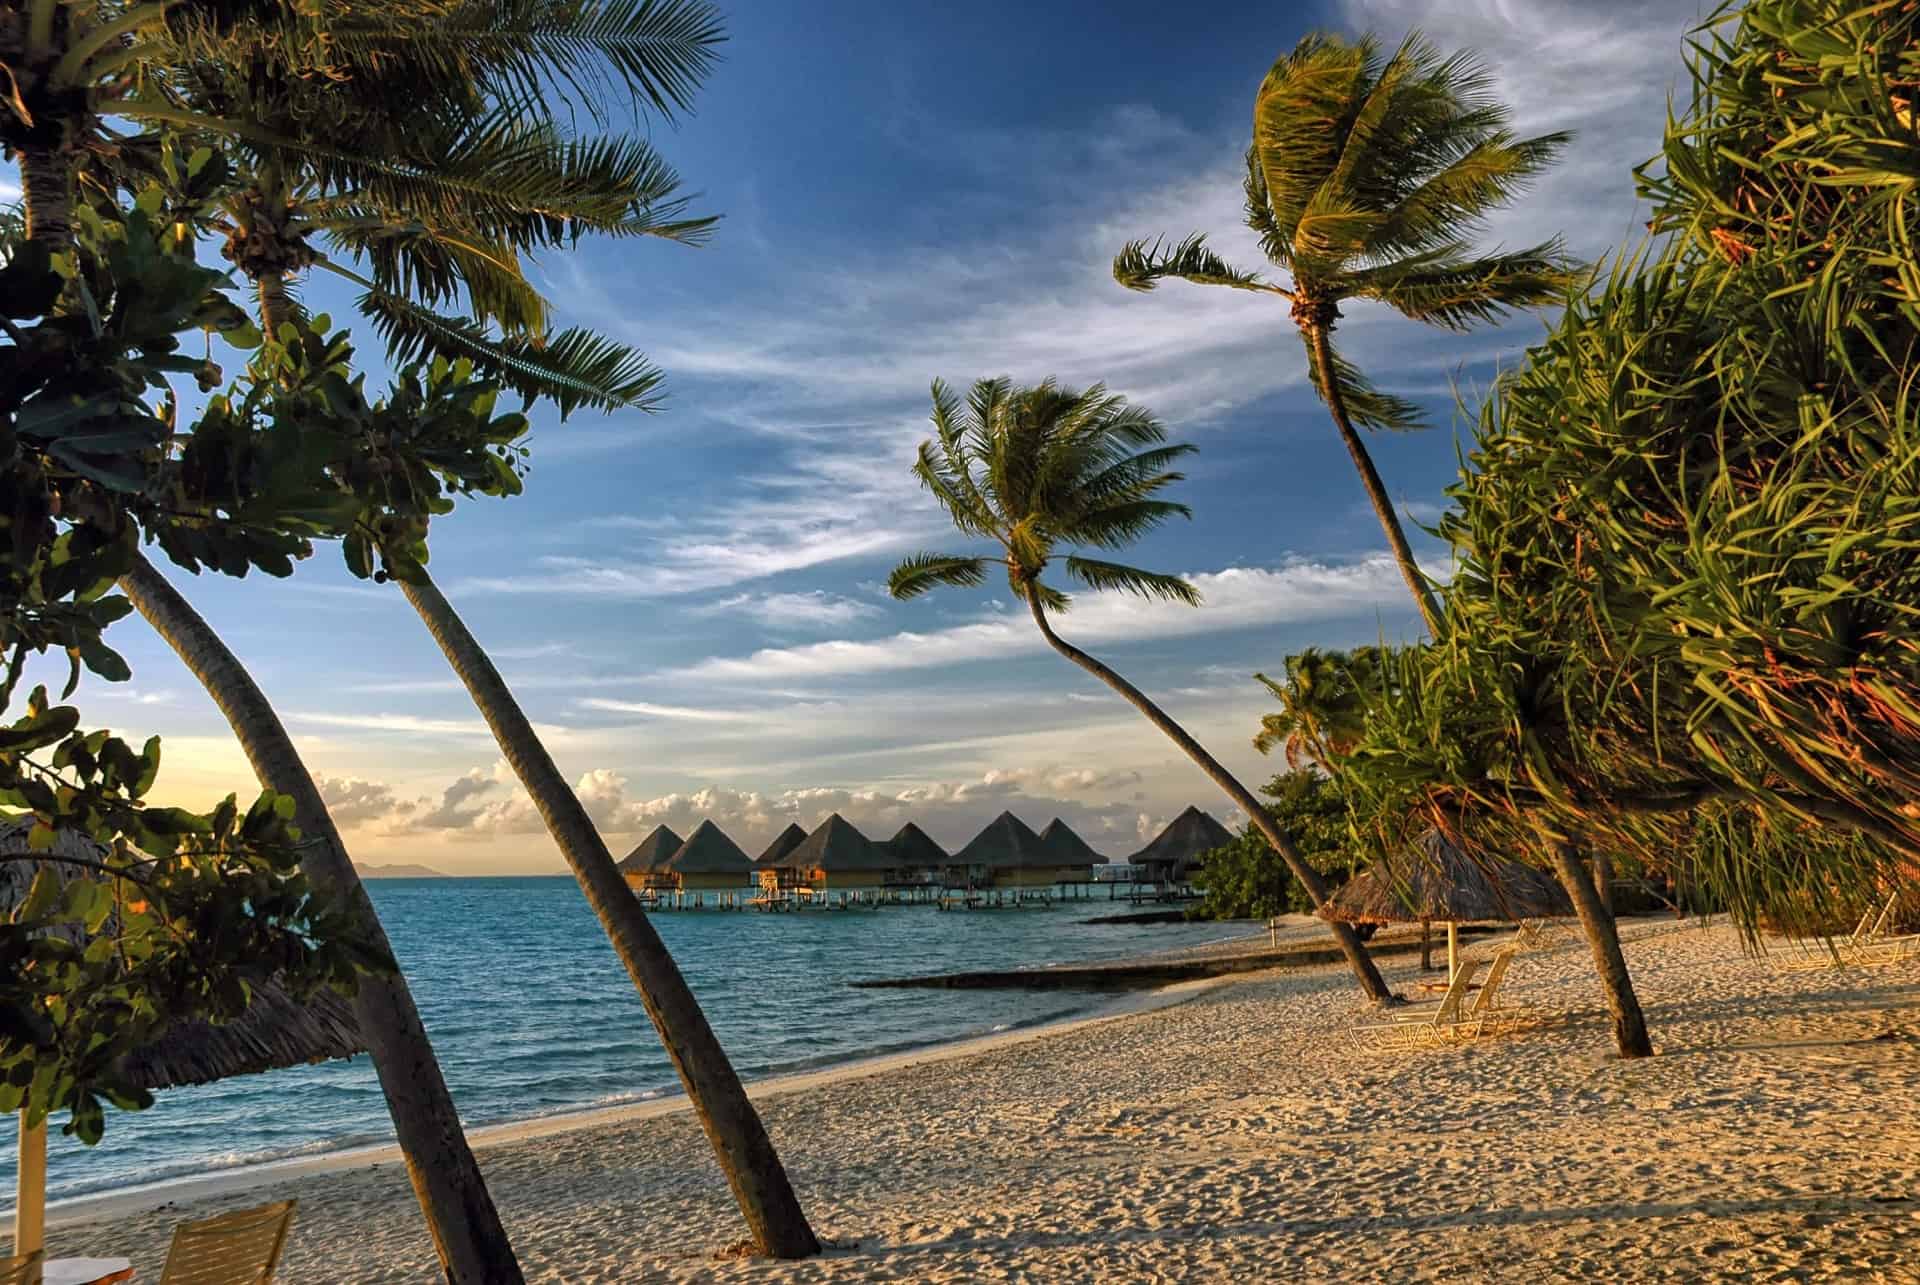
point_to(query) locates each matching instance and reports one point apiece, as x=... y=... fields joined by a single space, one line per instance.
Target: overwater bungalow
x=918 y=860
x=783 y=843
x=1013 y=856
x=707 y=862
x=836 y=857
x=1074 y=853
x=1177 y=851
x=647 y=856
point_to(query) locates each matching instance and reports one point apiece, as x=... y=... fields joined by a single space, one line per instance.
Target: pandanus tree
x=1367 y=179
x=1044 y=472
x=449 y=173
x=70 y=67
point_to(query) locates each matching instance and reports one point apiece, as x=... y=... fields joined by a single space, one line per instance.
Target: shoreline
x=120 y=1202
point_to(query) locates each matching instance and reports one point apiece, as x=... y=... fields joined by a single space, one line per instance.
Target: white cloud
x=671 y=713
x=412 y=725
x=1236 y=598
x=812 y=609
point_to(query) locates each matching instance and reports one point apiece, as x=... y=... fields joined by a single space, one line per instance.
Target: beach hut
x=783 y=843
x=1178 y=851
x=1075 y=855
x=1013 y=856
x=275 y=1031
x=641 y=867
x=707 y=861
x=837 y=856
x=1434 y=882
x=917 y=859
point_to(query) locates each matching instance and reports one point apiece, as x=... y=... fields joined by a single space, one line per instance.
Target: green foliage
x=130 y=917
x=1035 y=468
x=1323 y=705
x=1247 y=879
x=1688 y=571
x=1367 y=178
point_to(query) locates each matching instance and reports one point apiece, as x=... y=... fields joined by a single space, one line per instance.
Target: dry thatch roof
x=783 y=843
x=1007 y=843
x=708 y=851
x=275 y=1031
x=651 y=852
x=1067 y=847
x=913 y=847
x=1434 y=881
x=837 y=845
x=1187 y=838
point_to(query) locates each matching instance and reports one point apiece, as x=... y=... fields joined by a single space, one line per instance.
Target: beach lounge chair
x=1417 y=1027
x=240 y=1248
x=1867 y=945
x=23 y=1270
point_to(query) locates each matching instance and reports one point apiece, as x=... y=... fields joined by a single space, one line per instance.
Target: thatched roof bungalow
x=1177 y=851
x=640 y=865
x=1074 y=852
x=1013 y=856
x=708 y=860
x=836 y=855
x=916 y=857
x=783 y=843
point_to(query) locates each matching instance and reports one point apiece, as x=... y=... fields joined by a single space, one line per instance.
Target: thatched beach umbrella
x=1176 y=851
x=782 y=846
x=1435 y=882
x=275 y=1031
x=648 y=855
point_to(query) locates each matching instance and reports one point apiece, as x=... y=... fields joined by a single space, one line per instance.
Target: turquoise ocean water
x=532 y=1015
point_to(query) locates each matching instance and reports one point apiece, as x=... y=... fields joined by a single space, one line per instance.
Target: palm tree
x=1032 y=469
x=1366 y=179
x=61 y=59
x=1323 y=706
x=442 y=188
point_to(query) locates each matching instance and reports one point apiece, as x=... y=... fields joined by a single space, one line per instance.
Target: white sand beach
x=1224 y=1131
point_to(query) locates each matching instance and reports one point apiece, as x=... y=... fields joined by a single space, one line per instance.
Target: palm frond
x=1096 y=574
x=573 y=367
x=923 y=571
x=1143 y=265
x=1367 y=406
x=582 y=53
x=1114 y=526
x=1457 y=292
x=1492 y=172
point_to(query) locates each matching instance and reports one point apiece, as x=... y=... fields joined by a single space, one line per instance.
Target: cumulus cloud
x=1101 y=805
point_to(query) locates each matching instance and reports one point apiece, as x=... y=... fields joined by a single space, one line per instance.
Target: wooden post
x=30 y=1191
x=1453 y=950
x=1426 y=946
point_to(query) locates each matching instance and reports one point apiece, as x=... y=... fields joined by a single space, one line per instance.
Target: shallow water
x=531 y=1015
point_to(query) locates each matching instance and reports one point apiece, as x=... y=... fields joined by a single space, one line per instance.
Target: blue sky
x=688 y=603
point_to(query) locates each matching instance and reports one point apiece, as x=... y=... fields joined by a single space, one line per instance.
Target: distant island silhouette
x=401 y=872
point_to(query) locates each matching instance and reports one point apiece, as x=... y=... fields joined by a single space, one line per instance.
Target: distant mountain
x=400 y=872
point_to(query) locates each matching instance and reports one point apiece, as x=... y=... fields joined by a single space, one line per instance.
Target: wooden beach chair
x=240 y=1248
x=1867 y=945
x=1408 y=1028
x=23 y=1270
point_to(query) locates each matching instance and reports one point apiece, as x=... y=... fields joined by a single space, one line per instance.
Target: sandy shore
x=1223 y=1131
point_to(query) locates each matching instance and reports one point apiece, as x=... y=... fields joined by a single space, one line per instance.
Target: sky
x=689 y=604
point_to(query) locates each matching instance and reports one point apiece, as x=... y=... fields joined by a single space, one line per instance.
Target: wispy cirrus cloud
x=1236 y=598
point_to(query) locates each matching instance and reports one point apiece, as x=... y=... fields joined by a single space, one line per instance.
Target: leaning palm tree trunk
x=1363 y=966
x=1320 y=351
x=467 y=1233
x=746 y=1153
x=1603 y=938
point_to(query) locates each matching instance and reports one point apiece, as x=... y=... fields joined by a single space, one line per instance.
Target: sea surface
x=531 y=1015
